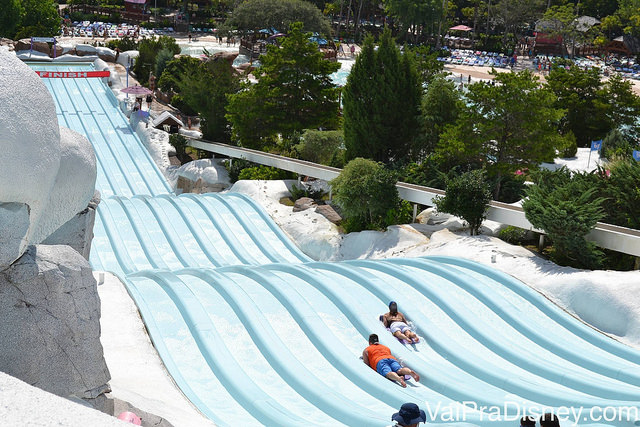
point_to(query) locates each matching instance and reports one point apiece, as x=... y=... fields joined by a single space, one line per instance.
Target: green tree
x=162 y=59
x=562 y=21
x=427 y=64
x=10 y=15
x=440 y=107
x=513 y=15
x=381 y=103
x=507 y=126
x=615 y=145
x=583 y=94
x=413 y=16
x=567 y=210
x=148 y=50
x=293 y=92
x=254 y=15
x=467 y=197
x=39 y=18
x=365 y=191
x=624 y=192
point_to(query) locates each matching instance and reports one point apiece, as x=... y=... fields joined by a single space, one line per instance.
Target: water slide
x=256 y=333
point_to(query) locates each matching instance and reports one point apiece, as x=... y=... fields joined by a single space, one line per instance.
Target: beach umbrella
x=137 y=90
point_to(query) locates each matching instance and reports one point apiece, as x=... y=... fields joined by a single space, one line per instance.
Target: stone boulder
x=86 y=50
x=25 y=44
x=50 y=170
x=78 y=231
x=106 y=54
x=328 y=212
x=50 y=314
x=7 y=42
x=303 y=203
x=14 y=225
x=225 y=56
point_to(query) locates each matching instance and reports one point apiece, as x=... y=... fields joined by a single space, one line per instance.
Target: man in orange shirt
x=379 y=358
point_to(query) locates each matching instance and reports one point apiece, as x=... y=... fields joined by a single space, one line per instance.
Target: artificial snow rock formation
x=50 y=171
x=50 y=312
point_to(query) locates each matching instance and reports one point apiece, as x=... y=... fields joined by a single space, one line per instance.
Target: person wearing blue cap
x=398 y=324
x=410 y=415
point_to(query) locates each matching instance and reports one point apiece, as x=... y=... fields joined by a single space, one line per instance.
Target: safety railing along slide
x=255 y=332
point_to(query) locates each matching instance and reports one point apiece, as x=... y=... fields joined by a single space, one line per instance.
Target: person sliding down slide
x=378 y=357
x=397 y=323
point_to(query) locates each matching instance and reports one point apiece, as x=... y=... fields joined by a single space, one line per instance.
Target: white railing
x=620 y=239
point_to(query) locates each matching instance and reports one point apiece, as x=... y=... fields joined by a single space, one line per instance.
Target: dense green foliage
x=324 y=147
x=567 y=208
x=441 y=105
x=10 y=15
x=124 y=44
x=265 y=173
x=365 y=191
x=29 y=18
x=583 y=94
x=254 y=15
x=500 y=128
x=179 y=142
x=202 y=87
x=467 y=197
x=381 y=103
x=293 y=92
x=148 y=50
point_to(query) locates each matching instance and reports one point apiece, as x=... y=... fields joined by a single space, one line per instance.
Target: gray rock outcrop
x=303 y=203
x=78 y=231
x=50 y=312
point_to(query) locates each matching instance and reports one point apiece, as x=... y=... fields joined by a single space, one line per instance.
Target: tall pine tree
x=381 y=103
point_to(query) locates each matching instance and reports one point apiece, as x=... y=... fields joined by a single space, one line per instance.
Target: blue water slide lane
x=251 y=328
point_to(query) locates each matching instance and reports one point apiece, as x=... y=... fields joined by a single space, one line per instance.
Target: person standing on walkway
x=379 y=358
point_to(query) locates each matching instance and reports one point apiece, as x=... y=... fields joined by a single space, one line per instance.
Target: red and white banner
x=72 y=74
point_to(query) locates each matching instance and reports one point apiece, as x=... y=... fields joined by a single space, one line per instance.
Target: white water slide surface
x=256 y=333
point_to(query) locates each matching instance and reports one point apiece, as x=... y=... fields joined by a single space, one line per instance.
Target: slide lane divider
x=452 y=385
x=565 y=351
x=221 y=361
x=196 y=230
x=252 y=232
x=474 y=329
x=156 y=337
x=175 y=241
x=125 y=263
x=325 y=341
x=295 y=250
x=281 y=359
x=561 y=317
x=143 y=236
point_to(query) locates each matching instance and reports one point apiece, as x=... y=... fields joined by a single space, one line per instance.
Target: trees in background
x=381 y=103
x=583 y=94
x=254 y=15
x=507 y=126
x=26 y=18
x=148 y=51
x=293 y=92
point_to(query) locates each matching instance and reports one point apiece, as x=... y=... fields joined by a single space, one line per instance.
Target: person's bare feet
x=403 y=384
x=416 y=340
x=415 y=376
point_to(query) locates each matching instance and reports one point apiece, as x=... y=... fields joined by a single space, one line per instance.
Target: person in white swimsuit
x=397 y=323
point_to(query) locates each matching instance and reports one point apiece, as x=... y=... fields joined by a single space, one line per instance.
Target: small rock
x=328 y=212
x=302 y=204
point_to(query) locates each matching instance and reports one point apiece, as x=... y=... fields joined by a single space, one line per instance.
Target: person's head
x=393 y=307
x=527 y=422
x=409 y=415
x=373 y=339
x=549 y=420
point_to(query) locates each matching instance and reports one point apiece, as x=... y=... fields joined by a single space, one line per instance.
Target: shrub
x=513 y=235
x=616 y=145
x=264 y=172
x=365 y=191
x=124 y=44
x=306 y=191
x=180 y=144
x=567 y=208
x=235 y=166
x=467 y=197
x=571 y=146
x=163 y=57
x=321 y=146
